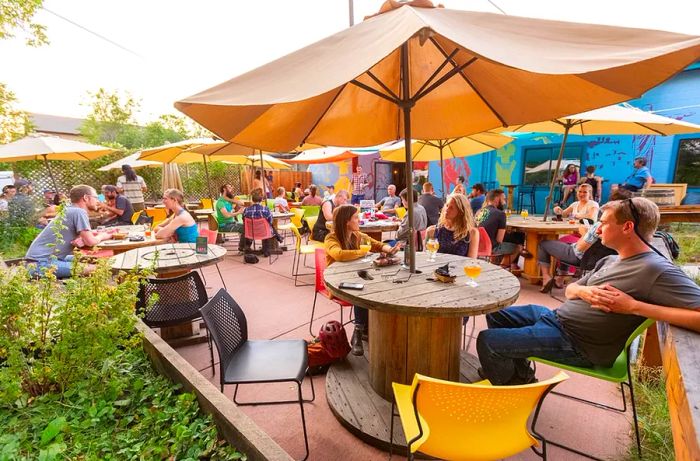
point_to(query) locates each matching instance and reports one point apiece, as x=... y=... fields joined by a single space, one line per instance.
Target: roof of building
x=56 y=124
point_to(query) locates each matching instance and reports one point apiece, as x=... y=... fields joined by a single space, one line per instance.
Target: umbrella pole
x=206 y=174
x=556 y=170
x=406 y=104
x=53 y=180
x=262 y=173
x=442 y=175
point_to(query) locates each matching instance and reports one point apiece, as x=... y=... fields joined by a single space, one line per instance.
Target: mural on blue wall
x=505 y=164
x=455 y=168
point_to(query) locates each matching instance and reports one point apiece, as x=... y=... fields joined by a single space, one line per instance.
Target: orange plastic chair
x=320 y=259
x=158 y=214
x=459 y=421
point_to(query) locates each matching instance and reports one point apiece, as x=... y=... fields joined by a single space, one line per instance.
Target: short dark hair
x=9 y=186
x=590 y=169
x=78 y=192
x=480 y=187
x=109 y=188
x=404 y=194
x=641 y=160
x=256 y=195
x=493 y=193
x=223 y=188
x=620 y=194
x=461 y=179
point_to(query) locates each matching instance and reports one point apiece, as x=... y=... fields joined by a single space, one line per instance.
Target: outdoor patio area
x=276 y=309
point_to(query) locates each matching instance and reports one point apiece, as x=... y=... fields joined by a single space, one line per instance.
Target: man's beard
x=500 y=206
x=229 y=194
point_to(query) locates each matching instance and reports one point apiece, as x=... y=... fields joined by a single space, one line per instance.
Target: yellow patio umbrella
x=428 y=151
x=432 y=73
x=171 y=177
x=611 y=120
x=131 y=160
x=39 y=147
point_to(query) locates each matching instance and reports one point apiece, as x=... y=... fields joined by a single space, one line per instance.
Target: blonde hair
x=588 y=188
x=464 y=222
x=175 y=194
x=647 y=211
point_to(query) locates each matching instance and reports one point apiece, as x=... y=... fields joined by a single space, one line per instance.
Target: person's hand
x=388 y=249
x=610 y=299
x=557 y=210
x=586 y=293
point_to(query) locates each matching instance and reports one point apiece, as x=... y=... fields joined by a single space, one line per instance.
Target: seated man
x=117 y=206
x=602 y=309
x=640 y=177
x=420 y=218
x=227 y=208
x=431 y=203
x=493 y=219
x=477 y=197
x=388 y=204
x=256 y=210
x=58 y=253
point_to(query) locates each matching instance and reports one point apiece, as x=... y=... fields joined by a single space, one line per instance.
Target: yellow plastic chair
x=299 y=250
x=158 y=214
x=135 y=216
x=473 y=422
x=207 y=203
x=400 y=212
x=298 y=215
x=311 y=221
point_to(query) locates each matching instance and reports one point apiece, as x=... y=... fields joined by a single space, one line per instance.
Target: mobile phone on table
x=351 y=286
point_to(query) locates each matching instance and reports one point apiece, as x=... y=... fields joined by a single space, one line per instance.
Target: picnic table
x=681 y=213
x=415 y=326
x=120 y=246
x=374 y=228
x=535 y=231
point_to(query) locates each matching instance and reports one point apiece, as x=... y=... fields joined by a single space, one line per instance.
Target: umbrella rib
x=437 y=71
x=374 y=91
x=454 y=71
x=383 y=85
x=469 y=82
x=650 y=128
x=325 y=111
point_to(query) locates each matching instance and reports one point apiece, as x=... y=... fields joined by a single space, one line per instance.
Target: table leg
x=375 y=235
x=531 y=270
x=400 y=346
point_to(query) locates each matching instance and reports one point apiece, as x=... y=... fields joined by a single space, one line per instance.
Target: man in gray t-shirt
x=389 y=203
x=602 y=309
x=431 y=203
x=52 y=252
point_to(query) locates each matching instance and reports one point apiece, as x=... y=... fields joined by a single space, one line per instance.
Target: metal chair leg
x=221 y=277
x=634 y=407
x=313 y=309
x=303 y=421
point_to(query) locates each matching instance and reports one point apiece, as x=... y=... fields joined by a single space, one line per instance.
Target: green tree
x=14 y=123
x=18 y=14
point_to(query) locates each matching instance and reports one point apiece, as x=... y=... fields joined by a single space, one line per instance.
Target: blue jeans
x=63 y=266
x=518 y=332
x=355 y=200
x=361 y=316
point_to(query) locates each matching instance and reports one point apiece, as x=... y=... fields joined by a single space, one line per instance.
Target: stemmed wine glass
x=432 y=245
x=365 y=246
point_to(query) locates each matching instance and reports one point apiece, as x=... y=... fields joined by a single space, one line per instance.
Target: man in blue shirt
x=477 y=197
x=256 y=210
x=640 y=177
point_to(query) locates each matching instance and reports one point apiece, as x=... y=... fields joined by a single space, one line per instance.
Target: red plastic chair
x=257 y=228
x=320 y=259
x=485 y=247
x=211 y=236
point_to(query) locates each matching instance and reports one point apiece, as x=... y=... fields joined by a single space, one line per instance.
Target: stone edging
x=233 y=425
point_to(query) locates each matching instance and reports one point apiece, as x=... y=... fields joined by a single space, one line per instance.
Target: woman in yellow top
x=343 y=244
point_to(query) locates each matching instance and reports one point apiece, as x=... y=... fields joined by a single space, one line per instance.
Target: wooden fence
x=284 y=178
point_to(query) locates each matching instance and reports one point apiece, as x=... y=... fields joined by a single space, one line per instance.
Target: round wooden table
x=120 y=246
x=415 y=326
x=535 y=231
x=168 y=258
x=374 y=228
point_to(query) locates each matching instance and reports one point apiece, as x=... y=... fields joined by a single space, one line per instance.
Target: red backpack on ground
x=331 y=345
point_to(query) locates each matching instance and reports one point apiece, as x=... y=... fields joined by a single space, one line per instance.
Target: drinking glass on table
x=365 y=246
x=472 y=271
x=432 y=246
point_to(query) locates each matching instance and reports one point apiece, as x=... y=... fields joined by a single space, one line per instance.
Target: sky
x=168 y=50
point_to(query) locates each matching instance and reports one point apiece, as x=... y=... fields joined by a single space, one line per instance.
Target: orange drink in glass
x=472 y=271
x=432 y=246
x=365 y=246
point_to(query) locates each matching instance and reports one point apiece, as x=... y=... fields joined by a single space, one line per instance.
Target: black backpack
x=670 y=243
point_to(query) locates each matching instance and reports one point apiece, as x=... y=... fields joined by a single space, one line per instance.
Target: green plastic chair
x=270 y=204
x=311 y=210
x=618 y=373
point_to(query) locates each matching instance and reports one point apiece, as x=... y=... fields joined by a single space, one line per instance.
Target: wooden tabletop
x=422 y=297
x=122 y=245
x=170 y=257
x=382 y=225
x=279 y=215
x=203 y=211
x=535 y=223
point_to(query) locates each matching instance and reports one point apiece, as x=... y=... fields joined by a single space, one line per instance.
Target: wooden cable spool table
x=414 y=327
x=123 y=245
x=535 y=231
x=170 y=258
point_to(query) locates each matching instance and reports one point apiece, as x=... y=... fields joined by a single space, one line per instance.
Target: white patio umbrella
x=323 y=155
x=131 y=160
x=39 y=147
x=433 y=73
x=611 y=120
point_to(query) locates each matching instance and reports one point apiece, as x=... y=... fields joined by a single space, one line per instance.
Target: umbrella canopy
x=268 y=162
x=51 y=148
x=433 y=73
x=544 y=166
x=323 y=155
x=426 y=151
x=171 y=177
x=131 y=160
x=606 y=120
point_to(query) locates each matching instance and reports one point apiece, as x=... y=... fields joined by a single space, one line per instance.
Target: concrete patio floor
x=275 y=308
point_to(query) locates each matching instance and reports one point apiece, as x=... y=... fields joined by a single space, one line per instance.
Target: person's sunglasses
x=633 y=212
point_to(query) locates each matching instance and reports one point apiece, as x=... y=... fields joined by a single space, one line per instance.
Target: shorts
x=504 y=248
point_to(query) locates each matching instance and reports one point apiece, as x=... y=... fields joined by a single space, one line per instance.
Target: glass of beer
x=147 y=233
x=524 y=214
x=365 y=246
x=472 y=271
x=432 y=246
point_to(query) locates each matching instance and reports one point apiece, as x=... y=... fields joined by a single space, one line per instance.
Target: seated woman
x=456 y=230
x=343 y=244
x=584 y=208
x=569 y=180
x=281 y=204
x=180 y=225
x=312 y=199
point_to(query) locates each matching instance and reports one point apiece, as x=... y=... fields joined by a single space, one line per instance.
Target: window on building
x=688 y=162
x=540 y=162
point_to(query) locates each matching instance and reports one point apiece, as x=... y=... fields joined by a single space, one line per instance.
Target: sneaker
x=356 y=342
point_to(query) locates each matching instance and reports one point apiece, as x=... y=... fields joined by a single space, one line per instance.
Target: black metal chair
x=178 y=301
x=244 y=361
x=527 y=192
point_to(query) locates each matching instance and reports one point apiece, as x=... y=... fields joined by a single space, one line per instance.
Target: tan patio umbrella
x=611 y=120
x=131 y=160
x=427 y=151
x=39 y=147
x=171 y=177
x=433 y=73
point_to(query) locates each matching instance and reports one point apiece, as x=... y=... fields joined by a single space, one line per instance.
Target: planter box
x=233 y=425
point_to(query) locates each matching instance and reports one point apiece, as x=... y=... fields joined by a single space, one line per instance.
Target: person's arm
x=327 y=211
x=649 y=182
x=473 y=243
x=90 y=239
x=115 y=210
x=228 y=214
x=500 y=234
x=165 y=222
x=144 y=188
x=567 y=211
x=610 y=299
x=592 y=210
x=167 y=229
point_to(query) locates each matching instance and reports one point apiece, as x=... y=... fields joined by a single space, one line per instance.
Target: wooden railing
x=680 y=352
